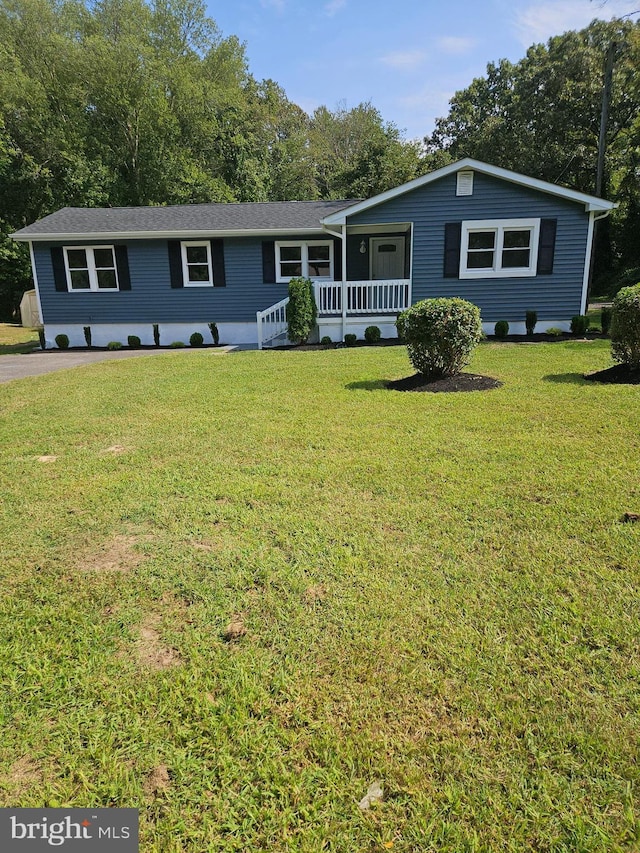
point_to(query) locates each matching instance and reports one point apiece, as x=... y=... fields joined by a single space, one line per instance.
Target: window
x=197 y=269
x=499 y=248
x=313 y=259
x=91 y=268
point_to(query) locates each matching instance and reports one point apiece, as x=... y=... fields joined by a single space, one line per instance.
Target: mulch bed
x=461 y=382
x=619 y=374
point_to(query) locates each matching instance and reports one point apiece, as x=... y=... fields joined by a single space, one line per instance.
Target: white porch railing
x=273 y=322
x=363 y=297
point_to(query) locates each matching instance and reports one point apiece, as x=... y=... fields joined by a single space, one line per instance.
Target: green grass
x=437 y=590
x=16 y=339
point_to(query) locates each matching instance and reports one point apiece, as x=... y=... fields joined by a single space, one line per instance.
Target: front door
x=387 y=258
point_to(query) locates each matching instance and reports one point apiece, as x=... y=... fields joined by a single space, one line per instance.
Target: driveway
x=35 y=363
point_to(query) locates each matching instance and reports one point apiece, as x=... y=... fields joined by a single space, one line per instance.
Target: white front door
x=387 y=258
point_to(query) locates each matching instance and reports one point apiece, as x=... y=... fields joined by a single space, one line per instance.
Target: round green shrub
x=350 y=340
x=372 y=334
x=196 y=340
x=440 y=335
x=114 y=345
x=502 y=329
x=326 y=341
x=62 y=341
x=579 y=324
x=176 y=344
x=625 y=327
x=133 y=341
x=554 y=331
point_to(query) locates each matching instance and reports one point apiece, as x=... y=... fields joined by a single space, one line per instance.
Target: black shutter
x=122 y=264
x=175 y=263
x=546 y=246
x=59 y=272
x=337 y=260
x=268 y=261
x=452 y=237
x=217 y=259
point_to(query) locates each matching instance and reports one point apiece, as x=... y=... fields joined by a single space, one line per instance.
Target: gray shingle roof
x=183 y=219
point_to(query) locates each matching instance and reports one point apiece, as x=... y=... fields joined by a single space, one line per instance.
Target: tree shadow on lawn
x=367 y=385
x=565 y=378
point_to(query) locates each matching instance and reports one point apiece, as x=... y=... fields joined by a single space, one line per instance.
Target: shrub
x=554 y=331
x=625 y=327
x=156 y=334
x=196 y=340
x=62 y=341
x=87 y=334
x=214 y=333
x=605 y=320
x=579 y=324
x=301 y=310
x=114 y=345
x=372 y=334
x=42 y=339
x=133 y=341
x=440 y=335
x=326 y=341
x=176 y=344
x=531 y=318
x=350 y=340
x=502 y=329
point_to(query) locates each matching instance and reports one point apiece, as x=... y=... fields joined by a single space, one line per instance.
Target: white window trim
x=500 y=226
x=91 y=267
x=304 y=244
x=184 y=245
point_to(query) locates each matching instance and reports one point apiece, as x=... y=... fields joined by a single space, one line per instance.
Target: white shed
x=29 y=314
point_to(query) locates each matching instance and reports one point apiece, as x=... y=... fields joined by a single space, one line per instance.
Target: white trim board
x=169 y=235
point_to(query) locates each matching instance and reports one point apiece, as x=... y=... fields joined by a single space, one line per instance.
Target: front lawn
x=17 y=339
x=430 y=590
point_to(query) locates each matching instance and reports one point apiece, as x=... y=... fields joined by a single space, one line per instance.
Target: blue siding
x=554 y=297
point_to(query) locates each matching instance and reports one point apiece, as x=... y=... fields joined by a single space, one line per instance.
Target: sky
x=406 y=59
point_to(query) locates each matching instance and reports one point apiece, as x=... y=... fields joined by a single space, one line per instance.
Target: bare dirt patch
x=461 y=382
x=235 y=630
x=157 y=781
x=117 y=555
x=115 y=449
x=46 y=458
x=150 y=649
x=314 y=594
x=22 y=775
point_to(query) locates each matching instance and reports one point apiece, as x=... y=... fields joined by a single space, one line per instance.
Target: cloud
x=278 y=5
x=333 y=7
x=455 y=45
x=537 y=22
x=406 y=60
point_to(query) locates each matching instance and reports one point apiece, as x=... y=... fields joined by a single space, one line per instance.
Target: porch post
x=344 y=280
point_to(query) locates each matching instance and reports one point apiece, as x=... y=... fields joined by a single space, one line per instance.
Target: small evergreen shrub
x=350 y=340
x=326 y=341
x=87 y=334
x=133 y=341
x=113 y=345
x=372 y=334
x=579 y=324
x=301 y=310
x=176 y=344
x=196 y=340
x=156 y=334
x=440 y=335
x=501 y=330
x=214 y=333
x=625 y=327
x=42 y=339
x=554 y=331
x=62 y=341
x=531 y=318
x=605 y=320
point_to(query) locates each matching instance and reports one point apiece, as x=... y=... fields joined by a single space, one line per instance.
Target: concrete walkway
x=35 y=363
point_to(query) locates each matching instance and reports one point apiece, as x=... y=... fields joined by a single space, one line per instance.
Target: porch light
x=363 y=247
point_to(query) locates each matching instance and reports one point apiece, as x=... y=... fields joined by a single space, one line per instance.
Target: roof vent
x=465 y=183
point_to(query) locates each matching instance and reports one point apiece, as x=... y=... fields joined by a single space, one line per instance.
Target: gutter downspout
x=589 y=257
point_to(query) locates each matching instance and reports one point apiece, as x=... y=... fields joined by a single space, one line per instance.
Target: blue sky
x=406 y=58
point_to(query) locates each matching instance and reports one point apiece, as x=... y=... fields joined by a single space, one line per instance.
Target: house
x=504 y=241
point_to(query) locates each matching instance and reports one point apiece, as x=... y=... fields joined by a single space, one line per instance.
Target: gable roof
x=276 y=218
x=590 y=202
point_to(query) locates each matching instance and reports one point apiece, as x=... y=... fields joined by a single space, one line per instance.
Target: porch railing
x=273 y=322
x=363 y=297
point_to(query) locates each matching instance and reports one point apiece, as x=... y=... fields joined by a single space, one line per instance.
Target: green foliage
x=531 y=318
x=326 y=341
x=579 y=324
x=554 y=331
x=625 y=327
x=215 y=335
x=134 y=341
x=301 y=310
x=372 y=334
x=605 y=320
x=156 y=334
x=114 y=345
x=440 y=335
x=350 y=340
x=196 y=340
x=62 y=341
x=41 y=339
x=501 y=329
x=176 y=344
x=87 y=335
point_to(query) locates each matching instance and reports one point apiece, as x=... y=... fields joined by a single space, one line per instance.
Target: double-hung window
x=91 y=268
x=312 y=259
x=499 y=248
x=197 y=269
